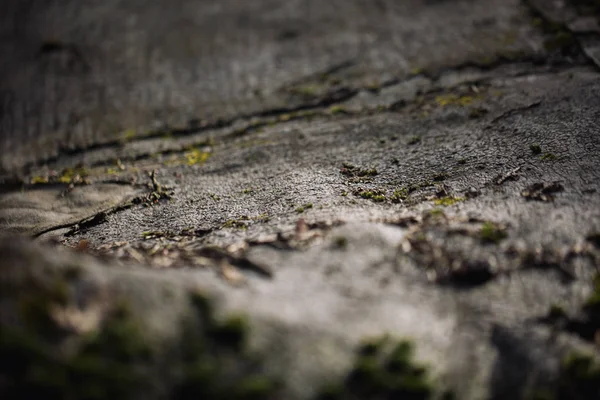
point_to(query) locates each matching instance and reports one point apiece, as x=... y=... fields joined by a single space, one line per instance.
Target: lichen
x=36 y=180
x=448 y=201
x=455 y=100
x=197 y=156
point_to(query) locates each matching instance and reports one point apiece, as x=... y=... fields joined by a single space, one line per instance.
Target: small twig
x=510 y=175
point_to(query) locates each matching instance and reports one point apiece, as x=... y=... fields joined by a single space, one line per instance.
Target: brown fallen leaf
x=231 y=274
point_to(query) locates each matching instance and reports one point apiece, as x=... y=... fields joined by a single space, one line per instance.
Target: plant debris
x=542 y=191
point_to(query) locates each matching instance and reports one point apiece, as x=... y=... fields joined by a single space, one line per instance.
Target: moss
x=254 y=388
x=579 y=377
x=372 y=346
x=549 y=157
x=232 y=332
x=202 y=306
x=104 y=364
x=340 y=242
x=399 y=195
x=448 y=201
x=562 y=40
x=492 y=233
x=306 y=91
x=535 y=149
x=39 y=179
x=375 y=195
x=128 y=135
x=73 y=175
x=351 y=170
x=436 y=212
x=303 y=208
x=477 y=112
x=592 y=304
x=594 y=238
x=414 y=140
x=116 y=361
x=439 y=177
x=212 y=351
x=337 y=110
x=331 y=392
x=197 y=157
x=556 y=311
x=240 y=223
x=420 y=185
x=384 y=369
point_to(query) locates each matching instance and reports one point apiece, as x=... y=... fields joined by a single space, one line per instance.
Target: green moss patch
x=549 y=157
x=399 y=195
x=217 y=363
x=110 y=362
x=375 y=195
x=384 y=369
x=492 y=233
x=353 y=171
x=304 y=207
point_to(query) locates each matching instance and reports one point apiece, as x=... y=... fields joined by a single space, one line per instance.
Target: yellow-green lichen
x=39 y=179
x=448 y=201
x=73 y=175
x=454 y=100
x=197 y=156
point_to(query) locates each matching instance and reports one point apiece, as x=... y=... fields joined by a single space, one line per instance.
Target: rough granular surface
x=300 y=200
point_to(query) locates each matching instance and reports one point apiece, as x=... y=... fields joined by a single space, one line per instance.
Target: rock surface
x=332 y=172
